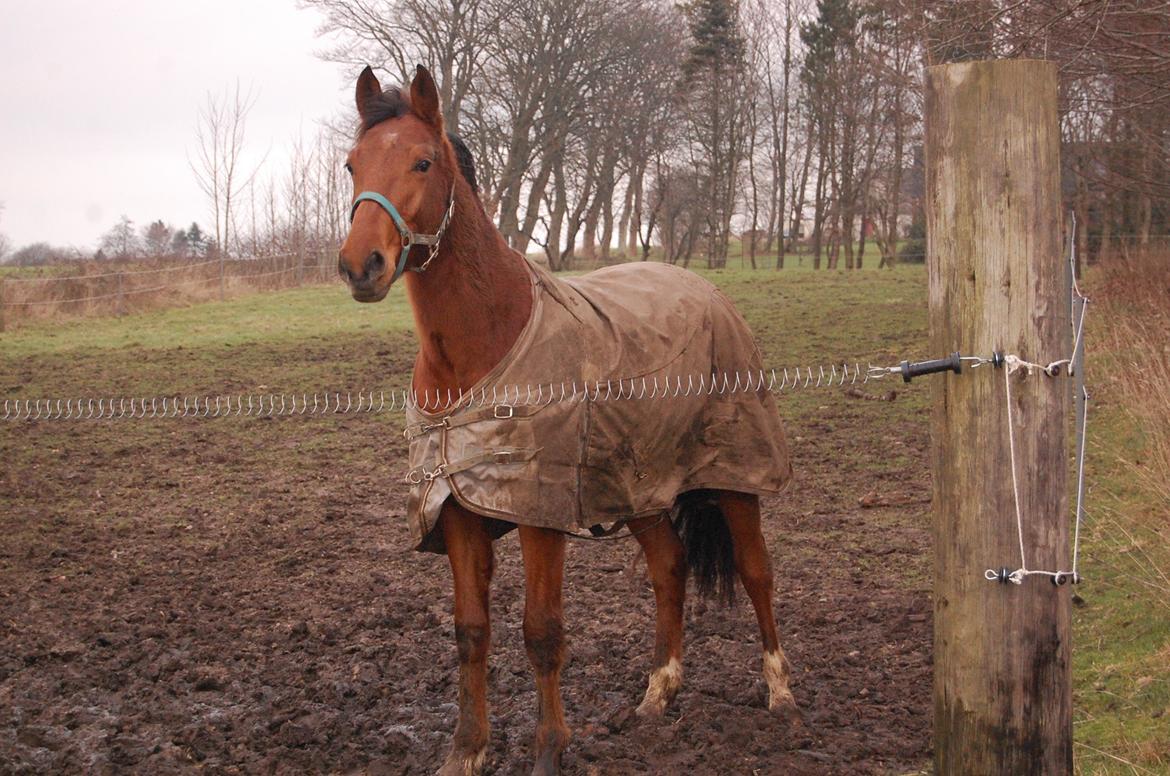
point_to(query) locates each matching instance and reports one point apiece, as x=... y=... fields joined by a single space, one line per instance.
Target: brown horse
x=472 y=297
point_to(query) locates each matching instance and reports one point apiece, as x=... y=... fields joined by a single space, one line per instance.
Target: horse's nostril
x=343 y=270
x=375 y=264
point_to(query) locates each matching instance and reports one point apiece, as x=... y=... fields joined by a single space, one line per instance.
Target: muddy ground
x=236 y=596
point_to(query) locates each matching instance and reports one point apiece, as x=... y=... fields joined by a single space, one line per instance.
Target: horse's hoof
x=463 y=764
x=651 y=709
x=785 y=709
x=664 y=685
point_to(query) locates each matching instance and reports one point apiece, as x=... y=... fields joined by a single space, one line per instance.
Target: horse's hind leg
x=742 y=512
x=544 y=639
x=469 y=548
x=666 y=561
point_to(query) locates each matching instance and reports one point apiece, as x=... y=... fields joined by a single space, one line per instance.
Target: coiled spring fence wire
x=273 y=405
x=652 y=388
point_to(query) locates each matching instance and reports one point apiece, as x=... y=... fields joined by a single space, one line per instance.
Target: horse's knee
x=472 y=642
x=544 y=639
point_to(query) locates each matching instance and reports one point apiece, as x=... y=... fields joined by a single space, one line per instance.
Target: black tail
x=707 y=541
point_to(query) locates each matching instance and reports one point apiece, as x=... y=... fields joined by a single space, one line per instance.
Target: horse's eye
x=423 y=165
x=349 y=168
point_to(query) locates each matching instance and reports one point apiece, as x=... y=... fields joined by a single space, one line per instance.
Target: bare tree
x=121 y=242
x=157 y=238
x=219 y=135
x=896 y=58
x=776 y=26
x=1114 y=65
x=453 y=36
x=716 y=94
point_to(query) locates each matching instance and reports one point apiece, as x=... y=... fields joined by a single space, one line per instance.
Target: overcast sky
x=98 y=103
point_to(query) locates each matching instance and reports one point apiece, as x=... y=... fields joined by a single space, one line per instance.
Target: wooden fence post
x=1002 y=695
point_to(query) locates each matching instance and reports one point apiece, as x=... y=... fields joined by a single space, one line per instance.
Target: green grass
x=1121 y=659
x=317 y=338
x=285 y=316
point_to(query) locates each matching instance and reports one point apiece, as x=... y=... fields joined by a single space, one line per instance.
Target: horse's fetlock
x=777 y=674
x=462 y=762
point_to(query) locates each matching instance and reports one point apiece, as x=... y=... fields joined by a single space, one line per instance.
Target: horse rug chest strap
x=491 y=412
x=499 y=457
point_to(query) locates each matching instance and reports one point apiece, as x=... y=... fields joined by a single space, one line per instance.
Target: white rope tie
x=1014 y=364
x=1016 y=577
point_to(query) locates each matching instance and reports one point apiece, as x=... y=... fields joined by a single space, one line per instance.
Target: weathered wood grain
x=1002 y=681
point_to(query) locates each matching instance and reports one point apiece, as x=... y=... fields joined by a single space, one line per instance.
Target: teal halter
x=409 y=238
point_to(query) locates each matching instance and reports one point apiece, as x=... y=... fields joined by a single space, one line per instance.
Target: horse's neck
x=470 y=305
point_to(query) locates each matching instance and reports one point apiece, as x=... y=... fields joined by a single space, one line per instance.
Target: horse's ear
x=424 y=98
x=368 y=89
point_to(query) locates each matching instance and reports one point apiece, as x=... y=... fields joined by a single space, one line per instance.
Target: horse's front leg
x=544 y=639
x=469 y=548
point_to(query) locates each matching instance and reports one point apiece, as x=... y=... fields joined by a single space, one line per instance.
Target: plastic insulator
x=952 y=363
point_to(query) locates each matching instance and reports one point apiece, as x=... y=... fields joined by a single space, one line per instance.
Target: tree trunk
x=532 y=210
x=557 y=215
x=819 y=208
x=636 y=184
x=799 y=190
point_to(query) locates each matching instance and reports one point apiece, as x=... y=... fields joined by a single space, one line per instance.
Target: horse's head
x=404 y=170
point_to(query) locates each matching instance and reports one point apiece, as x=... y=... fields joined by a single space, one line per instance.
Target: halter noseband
x=409 y=238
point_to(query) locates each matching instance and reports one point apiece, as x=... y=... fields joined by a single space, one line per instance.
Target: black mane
x=466 y=162
x=393 y=104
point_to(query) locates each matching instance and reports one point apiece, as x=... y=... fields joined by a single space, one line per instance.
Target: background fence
x=117 y=289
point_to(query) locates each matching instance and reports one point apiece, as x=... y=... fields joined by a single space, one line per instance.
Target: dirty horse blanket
x=579 y=462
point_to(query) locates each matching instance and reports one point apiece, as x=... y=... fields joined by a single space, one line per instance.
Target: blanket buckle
x=503 y=411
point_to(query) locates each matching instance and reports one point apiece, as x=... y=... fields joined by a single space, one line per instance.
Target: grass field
x=316 y=339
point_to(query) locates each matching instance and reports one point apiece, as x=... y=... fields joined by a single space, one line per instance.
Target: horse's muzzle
x=364 y=284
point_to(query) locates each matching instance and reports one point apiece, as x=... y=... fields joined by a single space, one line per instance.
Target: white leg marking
x=664 y=683
x=776 y=675
x=464 y=766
